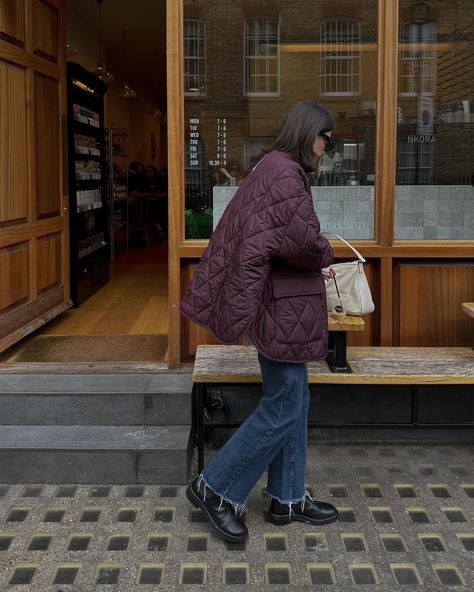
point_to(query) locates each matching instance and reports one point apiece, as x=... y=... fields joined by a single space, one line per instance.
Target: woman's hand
x=328 y=273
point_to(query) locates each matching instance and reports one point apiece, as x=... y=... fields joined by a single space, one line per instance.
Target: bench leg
x=193 y=414
x=337 y=352
x=200 y=397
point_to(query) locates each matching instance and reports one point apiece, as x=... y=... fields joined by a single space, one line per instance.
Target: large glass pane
x=257 y=65
x=435 y=193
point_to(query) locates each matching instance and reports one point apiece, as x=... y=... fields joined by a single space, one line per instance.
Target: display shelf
x=87 y=208
x=86 y=121
x=88 y=177
x=87 y=130
x=117 y=160
x=87 y=183
x=91 y=248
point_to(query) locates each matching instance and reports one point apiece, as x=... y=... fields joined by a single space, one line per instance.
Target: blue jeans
x=274 y=436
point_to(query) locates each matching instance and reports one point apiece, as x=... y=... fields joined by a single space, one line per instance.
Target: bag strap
x=359 y=256
x=258 y=162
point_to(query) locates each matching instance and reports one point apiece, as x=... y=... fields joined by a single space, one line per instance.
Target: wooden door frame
x=175 y=116
x=384 y=248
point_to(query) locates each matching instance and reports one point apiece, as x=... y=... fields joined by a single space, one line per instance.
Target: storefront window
x=435 y=193
x=259 y=61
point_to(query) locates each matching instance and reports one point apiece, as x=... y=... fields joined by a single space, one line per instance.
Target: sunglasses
x=330 y=143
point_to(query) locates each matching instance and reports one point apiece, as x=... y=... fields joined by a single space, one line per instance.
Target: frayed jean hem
x=238 y=507
x=289 y=503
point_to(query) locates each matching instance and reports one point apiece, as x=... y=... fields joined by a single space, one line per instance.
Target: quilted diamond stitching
x=274 y=201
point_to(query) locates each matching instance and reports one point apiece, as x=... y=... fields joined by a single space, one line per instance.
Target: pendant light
x=126 y=92
x=155 y=112
x=100 y=71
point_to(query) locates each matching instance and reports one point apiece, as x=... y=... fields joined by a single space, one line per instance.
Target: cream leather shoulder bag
x=350 y=288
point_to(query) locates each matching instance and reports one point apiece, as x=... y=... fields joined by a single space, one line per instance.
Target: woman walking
x=261 y=279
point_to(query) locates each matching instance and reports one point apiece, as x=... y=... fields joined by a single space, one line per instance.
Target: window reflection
x=245 y=71
x=435 y=115
x=261 y=56
x=340 y=69
x=194 y=57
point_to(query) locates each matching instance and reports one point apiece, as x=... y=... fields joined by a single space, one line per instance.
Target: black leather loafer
x=224 y=520
x=316 y=513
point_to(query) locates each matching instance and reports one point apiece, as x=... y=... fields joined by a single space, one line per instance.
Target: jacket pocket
x=297 y=285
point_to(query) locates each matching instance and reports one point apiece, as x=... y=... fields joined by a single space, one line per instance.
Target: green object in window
x=198 y=224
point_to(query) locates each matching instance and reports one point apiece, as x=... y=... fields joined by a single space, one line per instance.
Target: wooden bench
x=412 y=367
x=468 y=308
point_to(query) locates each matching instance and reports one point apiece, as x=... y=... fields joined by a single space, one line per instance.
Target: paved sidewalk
x=406 y=522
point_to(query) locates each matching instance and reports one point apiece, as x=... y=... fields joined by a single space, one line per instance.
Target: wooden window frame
x=383 y=248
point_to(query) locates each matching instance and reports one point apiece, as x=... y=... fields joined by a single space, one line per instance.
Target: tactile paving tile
x=404 y=524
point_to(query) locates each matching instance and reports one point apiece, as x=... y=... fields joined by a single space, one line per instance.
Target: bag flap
x=297 y=285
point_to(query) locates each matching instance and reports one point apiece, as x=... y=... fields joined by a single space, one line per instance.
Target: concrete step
x=95 y=454
x=96 y=399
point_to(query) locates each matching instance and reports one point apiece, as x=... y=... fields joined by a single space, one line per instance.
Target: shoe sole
x=278 y=519
x=197 y=503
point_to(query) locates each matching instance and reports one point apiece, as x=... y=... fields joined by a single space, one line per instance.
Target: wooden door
x=34 y=260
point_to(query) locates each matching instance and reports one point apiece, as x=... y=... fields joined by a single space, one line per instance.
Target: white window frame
x=335 y=56
x=418 y=59
x=199 y=60
x=267 y=58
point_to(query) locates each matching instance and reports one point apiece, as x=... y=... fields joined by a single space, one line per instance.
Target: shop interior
x=122 y=199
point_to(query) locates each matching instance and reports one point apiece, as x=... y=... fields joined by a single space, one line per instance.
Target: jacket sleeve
x=303 y=245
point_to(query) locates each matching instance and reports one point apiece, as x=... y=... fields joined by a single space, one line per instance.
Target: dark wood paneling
x=14 y=275
x=18 y=319
x=429 y=303
x=48 y=261
x=12 y=21
x=47 y=146
x=33 y=288
x=13 y=144
x=45 y=30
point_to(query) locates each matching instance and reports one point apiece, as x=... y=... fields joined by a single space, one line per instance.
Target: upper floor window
x=261 y=56
x=417 y=58
x=340 y=68
x=194 y=57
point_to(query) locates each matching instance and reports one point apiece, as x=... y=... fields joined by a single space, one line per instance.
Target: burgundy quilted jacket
x=261 y=269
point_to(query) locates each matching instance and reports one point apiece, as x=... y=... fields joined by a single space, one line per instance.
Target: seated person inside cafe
x=152 y=178
x=158 y=185
x=148 y=181
x=137 y=181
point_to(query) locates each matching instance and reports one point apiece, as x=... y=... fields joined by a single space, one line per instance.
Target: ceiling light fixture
x=126 y=92
x=100 y=71
x=157 y=114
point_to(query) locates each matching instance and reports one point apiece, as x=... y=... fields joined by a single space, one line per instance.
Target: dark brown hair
x=301 y=126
